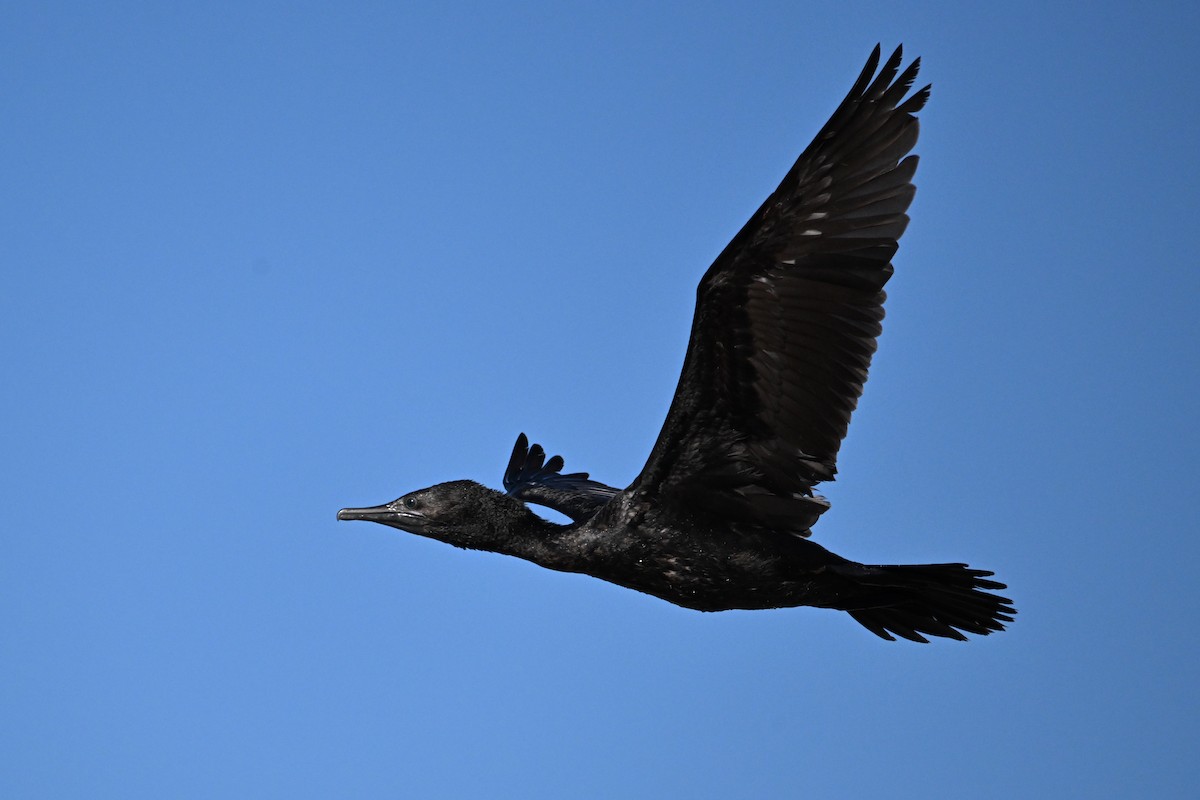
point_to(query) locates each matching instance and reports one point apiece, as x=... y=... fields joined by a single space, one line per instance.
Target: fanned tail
x=918 y=600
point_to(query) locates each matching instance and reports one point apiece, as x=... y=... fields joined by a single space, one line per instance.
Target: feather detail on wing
x=533 y=478
x=787 y=318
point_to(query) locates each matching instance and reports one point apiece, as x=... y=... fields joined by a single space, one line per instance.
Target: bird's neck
x=548 y=544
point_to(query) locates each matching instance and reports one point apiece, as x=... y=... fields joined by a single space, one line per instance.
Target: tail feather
x=914 y=601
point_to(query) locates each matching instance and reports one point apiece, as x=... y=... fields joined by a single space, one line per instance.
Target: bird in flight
x=784 y=329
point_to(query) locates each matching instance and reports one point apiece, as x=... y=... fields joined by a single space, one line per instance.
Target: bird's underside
x=709 y=564
x=784 y=330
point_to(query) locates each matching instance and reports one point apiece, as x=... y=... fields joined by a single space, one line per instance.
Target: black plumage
x=783 y=334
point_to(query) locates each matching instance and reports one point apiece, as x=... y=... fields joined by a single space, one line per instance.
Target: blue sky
x=266 y=260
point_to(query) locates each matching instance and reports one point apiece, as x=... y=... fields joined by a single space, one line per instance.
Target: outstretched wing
x=530 y=477
x=787 y=316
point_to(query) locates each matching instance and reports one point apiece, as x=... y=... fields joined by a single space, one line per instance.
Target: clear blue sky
x=265 y=260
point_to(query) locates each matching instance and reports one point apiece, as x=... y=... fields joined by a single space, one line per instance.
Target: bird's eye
x=410 y=502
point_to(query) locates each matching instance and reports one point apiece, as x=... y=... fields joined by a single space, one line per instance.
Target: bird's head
x=461 y=513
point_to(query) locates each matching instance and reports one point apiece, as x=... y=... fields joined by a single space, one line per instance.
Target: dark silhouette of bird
x=785 y=326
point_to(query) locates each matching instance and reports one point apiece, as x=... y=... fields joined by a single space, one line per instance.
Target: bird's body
x=785 y=327
x=693 y=564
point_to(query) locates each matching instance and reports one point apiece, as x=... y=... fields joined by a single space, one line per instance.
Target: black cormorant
x=785 y=326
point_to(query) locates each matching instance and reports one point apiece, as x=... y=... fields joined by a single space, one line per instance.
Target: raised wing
x=530 y=477
x=786 y=320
